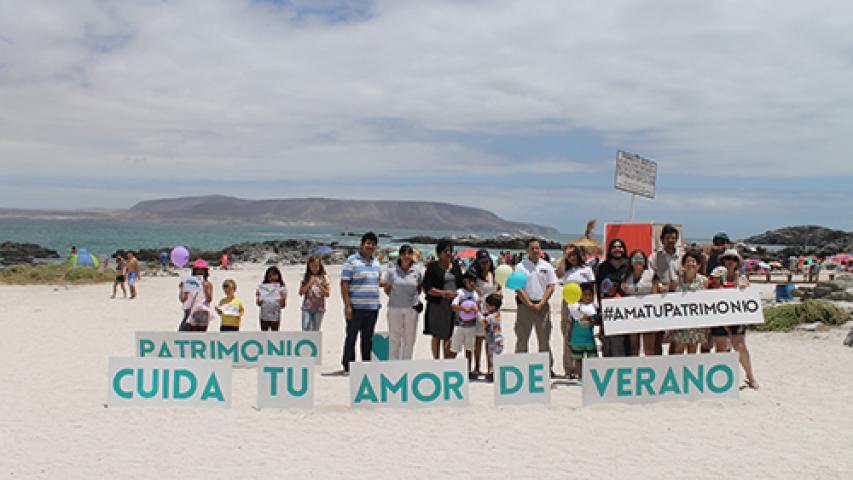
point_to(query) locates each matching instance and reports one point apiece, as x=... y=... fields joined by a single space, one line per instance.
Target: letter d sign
x=522 y=378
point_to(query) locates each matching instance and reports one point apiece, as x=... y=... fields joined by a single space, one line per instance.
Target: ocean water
x=103 y=237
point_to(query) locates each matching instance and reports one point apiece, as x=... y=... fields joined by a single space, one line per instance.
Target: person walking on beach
x=133 y=272
x=608 y=280
x=532 y=300
x=441 y=280
x=571 y=269
x=120 y=276
x=734 y=336
x=403 y=284
x=196 y=294
x=271 y=296
x=360 y=294
x=314 y=289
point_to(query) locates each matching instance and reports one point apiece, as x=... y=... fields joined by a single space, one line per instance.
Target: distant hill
x=390 y=214
x=802 y=235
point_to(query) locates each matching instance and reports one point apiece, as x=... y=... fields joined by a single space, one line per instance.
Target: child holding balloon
x=467 y=311
x=492 y=324
x=584 y=316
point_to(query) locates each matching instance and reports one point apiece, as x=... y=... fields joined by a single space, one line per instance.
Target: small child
x=464 y=333
x=584 y=315
x=230 y=308
x=494 y=337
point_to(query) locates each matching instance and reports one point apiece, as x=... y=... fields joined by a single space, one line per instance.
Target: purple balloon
x=468 y=315
x=180 y=256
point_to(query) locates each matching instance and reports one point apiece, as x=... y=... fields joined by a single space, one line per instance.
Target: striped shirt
x=363 y=279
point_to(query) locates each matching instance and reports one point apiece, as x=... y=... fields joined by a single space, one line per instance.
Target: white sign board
x=242 y=348
x=635 y=174
x=640 y=380
x=676 y=310
x=409 y=383
x=151 y=382
x=285 y=382
x=522 y=378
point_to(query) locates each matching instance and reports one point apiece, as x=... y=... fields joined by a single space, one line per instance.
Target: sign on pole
x=635 y=174
x=677 y=310
x=638 y=380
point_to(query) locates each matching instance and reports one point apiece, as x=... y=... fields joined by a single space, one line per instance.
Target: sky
x=515 y=107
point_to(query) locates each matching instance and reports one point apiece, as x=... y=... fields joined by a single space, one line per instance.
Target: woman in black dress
x=441 y=280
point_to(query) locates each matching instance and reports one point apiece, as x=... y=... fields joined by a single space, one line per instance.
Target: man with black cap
x=721 y=243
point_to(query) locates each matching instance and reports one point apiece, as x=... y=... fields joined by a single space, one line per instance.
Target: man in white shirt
x=666 y=262
x=532 y=300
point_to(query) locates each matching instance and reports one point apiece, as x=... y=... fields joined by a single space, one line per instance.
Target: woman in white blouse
x=571 y=269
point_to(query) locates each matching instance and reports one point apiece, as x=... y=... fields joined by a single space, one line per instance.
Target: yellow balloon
x=502 y=273
x=572 y=293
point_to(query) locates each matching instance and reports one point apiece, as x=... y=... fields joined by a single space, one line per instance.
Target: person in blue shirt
x=360 y=293
x=164 y=260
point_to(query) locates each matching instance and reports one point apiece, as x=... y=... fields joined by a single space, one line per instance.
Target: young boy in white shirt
x=465 y=319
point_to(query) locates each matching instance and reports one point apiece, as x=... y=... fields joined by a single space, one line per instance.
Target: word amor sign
x=409 y=383
x=653 y=379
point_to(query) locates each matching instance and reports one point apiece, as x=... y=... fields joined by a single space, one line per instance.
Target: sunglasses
x=638 y=259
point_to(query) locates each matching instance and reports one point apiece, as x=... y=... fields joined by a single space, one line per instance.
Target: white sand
x=53 y=424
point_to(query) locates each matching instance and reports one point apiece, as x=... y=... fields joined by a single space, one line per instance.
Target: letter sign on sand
x=153 y=382
x=522 y=378
x=409 y=383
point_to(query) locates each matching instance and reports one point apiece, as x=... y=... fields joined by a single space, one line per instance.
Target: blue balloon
x=516 y=281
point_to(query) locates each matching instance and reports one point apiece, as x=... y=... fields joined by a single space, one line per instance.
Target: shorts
x=132 y=277
x=120 y=278
x=583 y=351
x=463 y=337
x=734 y=329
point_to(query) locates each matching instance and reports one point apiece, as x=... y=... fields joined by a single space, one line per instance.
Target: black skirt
x=438 y=321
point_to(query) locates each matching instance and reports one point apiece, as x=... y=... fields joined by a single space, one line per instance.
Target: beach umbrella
x=586 y=241
x=775 y=264
x=322 y=250
x=83 y=259
x=467 y=253
x=840 y=258
x=764 y=266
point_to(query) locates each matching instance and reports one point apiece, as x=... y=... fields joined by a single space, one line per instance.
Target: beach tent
x=589 y=245
x=83 y=259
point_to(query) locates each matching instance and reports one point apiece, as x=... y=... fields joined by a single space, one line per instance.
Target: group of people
x=462 y=308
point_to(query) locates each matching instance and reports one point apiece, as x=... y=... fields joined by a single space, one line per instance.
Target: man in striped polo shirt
x=360 y=293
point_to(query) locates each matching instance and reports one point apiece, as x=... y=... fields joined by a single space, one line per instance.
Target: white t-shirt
x=539 y=276
x=579 y=275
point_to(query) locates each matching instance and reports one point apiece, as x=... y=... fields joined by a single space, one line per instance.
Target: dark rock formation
x=11 y=253
x=502 y=242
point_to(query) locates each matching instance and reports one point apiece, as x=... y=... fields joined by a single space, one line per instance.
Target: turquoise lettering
x=245 y=347
x=291 y=389
x=117 y=383
x=140 y=383
x=231 y=350
x=145 y=346
x=165 y=383
x=730 y=378
x=505 y=388
x=212 y=389
x=272 y=350
x=536 y=379
x=645 y=377
x=198 y=348
x=600 y=385
x=312 y=348
x=453 y=381
x=695 y=380
x=365 y=391
x=385 y=385
x=274 y=373
x=182 y=345
x=164 y=351
x=419 y=378
x=182 y=393
x=623 y=383
x=670 y=384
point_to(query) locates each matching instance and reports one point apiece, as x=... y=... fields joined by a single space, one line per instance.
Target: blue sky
x=745 y=108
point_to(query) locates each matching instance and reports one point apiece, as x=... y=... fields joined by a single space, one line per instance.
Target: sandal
x=749 y=384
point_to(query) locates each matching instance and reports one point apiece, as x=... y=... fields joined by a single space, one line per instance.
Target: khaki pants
x=565 y=329
x=525 y=321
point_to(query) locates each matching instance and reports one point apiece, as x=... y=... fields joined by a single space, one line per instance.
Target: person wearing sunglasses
x=640 y=280
x=442 y=279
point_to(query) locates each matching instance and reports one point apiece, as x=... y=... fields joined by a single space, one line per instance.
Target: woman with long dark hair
x=608 y=279
x=484 y=271
x=403 y=284
x=314 y=289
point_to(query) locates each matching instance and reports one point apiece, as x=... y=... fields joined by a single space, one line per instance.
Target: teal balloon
x=516 y=281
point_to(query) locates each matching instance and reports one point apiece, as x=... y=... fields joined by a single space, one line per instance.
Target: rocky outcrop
x=806 y=239
x=502 y=242
x=12 y=253
x=839 y=290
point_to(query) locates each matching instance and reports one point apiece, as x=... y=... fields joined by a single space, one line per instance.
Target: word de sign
x=522 y=378
x=285 y=382
x=653 y=379
x=409 y=383
x=241 y=348
x=151 y=382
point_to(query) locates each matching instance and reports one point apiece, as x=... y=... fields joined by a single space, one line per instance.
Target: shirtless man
x=133 y=271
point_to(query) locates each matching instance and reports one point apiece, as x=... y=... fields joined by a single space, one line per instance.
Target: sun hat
x=732 y=253
x=200 y=264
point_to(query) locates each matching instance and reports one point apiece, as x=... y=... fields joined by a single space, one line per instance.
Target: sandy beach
x=54 y=424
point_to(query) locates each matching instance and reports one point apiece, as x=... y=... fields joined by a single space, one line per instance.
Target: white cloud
x=248 y=90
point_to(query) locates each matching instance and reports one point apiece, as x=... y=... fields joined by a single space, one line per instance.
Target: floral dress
x=691 y=335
